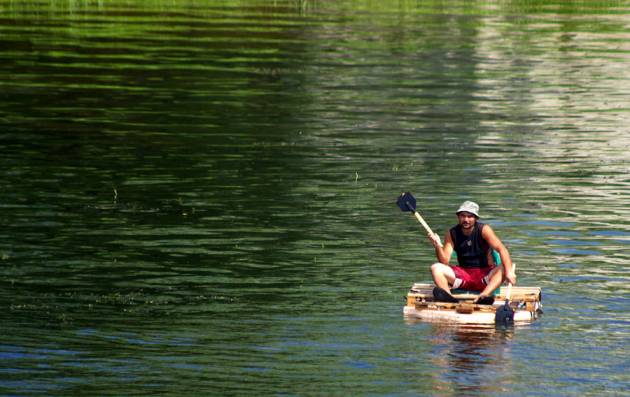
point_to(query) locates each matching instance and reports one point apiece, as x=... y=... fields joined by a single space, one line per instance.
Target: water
x=198 y=198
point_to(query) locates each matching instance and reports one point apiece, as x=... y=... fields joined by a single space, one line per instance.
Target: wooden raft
x=526 y=302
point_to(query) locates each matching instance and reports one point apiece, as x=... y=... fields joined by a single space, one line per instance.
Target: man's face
x=467 y=220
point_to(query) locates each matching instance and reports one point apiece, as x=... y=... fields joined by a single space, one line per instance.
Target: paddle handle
x=509 y=289
x=424 y=224
x=410 y=205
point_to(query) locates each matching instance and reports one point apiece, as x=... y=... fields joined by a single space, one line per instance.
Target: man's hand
x=435 y=240
x=511 y=278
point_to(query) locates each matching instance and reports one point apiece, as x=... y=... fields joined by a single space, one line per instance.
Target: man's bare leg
x=443 y=276
x=494 y=281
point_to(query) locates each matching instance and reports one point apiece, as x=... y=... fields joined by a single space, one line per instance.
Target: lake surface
x=198 y=197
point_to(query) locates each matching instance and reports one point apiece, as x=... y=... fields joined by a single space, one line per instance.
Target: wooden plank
x=424 y=291
x=415 y=298
x=426 y=288
x=453 y=306
x=452 y=316
x=465 y=308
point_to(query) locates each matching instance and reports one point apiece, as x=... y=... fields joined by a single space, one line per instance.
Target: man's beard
x=467 y=225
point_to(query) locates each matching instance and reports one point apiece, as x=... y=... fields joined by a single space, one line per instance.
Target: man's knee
x=495 y=274
x=442 y=271
x=498 y=272
x=439 y=267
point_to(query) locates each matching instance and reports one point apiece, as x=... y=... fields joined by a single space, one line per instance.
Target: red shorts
x=472 y=277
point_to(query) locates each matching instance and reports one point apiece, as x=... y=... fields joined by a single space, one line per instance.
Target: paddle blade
x=504 y=315
x=406 y=202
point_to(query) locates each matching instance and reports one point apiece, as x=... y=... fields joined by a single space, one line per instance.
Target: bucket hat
x=469 y=206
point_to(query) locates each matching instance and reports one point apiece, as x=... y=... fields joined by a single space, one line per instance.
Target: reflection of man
x=473 y=242
x=465 y=354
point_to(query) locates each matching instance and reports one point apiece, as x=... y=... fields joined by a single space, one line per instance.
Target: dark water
x=198 y=196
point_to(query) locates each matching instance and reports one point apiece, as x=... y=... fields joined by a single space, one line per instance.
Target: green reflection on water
x=198 y=197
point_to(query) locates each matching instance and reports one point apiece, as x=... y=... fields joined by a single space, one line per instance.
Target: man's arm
x=442 y=252
x=496 y=244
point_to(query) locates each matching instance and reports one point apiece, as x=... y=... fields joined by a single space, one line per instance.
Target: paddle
x=504 y=314
x=407 y=203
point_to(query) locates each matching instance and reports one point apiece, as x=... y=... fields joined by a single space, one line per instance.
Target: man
x=473 y=242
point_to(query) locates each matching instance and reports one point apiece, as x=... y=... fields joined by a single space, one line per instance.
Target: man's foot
x=443 y=296
x=484 y=300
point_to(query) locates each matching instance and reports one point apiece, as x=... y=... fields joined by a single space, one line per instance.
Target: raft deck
x=525 y=301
